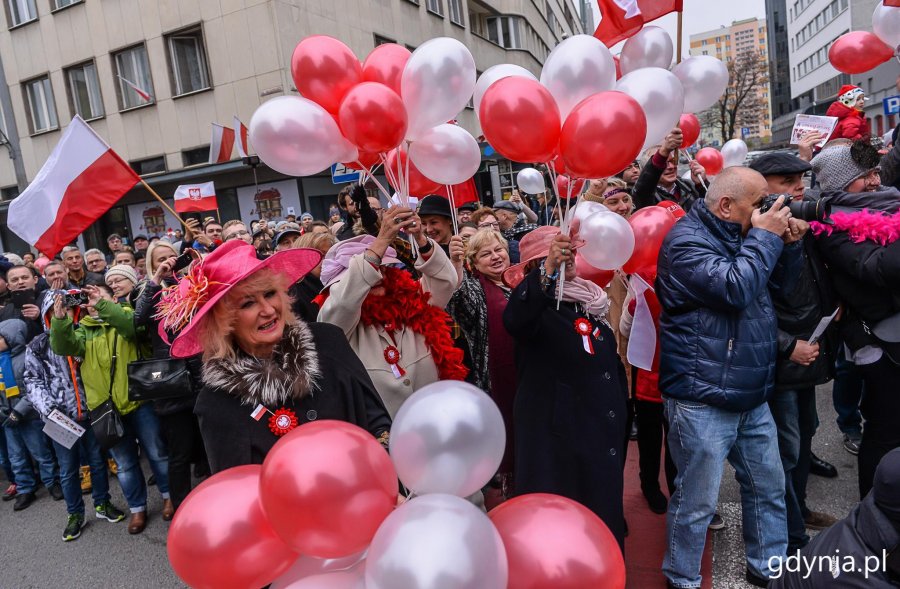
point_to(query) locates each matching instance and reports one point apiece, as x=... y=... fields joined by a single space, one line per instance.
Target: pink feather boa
x=863 y=226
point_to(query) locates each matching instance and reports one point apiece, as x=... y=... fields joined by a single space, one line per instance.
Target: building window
x=196 y=156
x=63 y=3
x=132 y=66
x=152 y=165
x=9 y=193
x=188 y=60
x=456 y=12
x=435 y=6
x=379 y=40
x=84 y=91
x=20 y=12
x=41 y=107
x=504 y=31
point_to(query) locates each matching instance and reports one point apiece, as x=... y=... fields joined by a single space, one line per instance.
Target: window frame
x=70 y=91
x=165 y=169
x=56 y=7
x=26 y=92
x=439 y=11
x=195 y=33
x=459 y=10
x=122 y=89
x=7 y=5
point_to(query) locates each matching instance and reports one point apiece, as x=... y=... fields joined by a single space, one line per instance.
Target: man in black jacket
x=801 y=365
x=659 y=179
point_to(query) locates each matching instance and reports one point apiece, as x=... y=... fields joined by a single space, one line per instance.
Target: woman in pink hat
x=570 y=403
x=264 y=371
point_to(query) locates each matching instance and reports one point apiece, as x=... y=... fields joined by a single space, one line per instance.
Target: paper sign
x=62 y=430
x=290 y=211
x=806 y=123
x=822 y=326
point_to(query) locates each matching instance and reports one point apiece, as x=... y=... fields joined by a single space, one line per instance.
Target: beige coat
x=617 y=292
x=342 y=308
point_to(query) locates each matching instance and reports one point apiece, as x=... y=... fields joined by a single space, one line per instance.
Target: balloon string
x=565 y=228
x=412 y=240
x=452 y=209
x=370 y=175
x=702 y=178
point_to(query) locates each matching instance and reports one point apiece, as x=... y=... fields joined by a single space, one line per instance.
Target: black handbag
x=164 y=378
x=106 y=422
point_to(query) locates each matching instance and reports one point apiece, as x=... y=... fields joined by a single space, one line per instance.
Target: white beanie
x=121 y=270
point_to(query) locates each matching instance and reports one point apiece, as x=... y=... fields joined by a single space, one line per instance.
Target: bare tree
x=743 y=104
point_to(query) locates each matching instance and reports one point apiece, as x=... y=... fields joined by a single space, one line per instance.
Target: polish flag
x=258 y=412
x=140 y=91
x=78 y=183
x=241 y=130
x=196 y=198
x=221 y=144
x=463 y=193
x=642 y=342
x=894 y=3
x=621 y=19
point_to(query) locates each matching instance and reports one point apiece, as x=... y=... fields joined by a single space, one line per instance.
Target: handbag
x=163 y=378
x=106 y=422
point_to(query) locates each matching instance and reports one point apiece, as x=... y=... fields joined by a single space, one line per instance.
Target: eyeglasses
x=494 y=225
x=237 y=234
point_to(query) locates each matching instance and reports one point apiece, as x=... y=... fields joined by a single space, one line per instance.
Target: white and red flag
x=621 y=19
x=241 y=132
x=221 y=144
x=140 y=91
x=894 y=3
x=196 y=198
x=642 y=341
x=463 y=193
x=79 y=182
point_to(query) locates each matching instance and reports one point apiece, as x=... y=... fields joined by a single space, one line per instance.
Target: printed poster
x=806 y=123
x=151 y=218
x=274 y=202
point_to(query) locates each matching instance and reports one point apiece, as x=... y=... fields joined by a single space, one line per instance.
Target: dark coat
x=717 y=327
x=570 y=405
x=303 y=292
x=647 y=192
x=342 y=391
x=890 y=167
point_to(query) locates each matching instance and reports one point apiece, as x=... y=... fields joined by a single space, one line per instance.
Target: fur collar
x=290 y=374
x=862 y=226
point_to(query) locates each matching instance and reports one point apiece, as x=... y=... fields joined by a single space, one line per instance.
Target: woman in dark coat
x=570 y=405
x=264 y=372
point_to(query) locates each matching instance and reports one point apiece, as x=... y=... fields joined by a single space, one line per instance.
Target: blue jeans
x=794 y=413
x=4 y=458
x=701 y=437
x=86 y=449
x=846 y=394
x=141 y=424
x=27 y=438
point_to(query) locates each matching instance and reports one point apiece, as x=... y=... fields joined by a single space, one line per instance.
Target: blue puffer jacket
x=718 y=330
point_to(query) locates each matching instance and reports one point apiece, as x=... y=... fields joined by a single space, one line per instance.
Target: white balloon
x=583 y=210
x=437 y=82
x=661 y=96
x=704 y=79
x=530 y=181
x=886 y=25
x=493 y=74
x=577 y=68
x=734 y=152
x=650 y=47
x=608 y=240
x=447 y=154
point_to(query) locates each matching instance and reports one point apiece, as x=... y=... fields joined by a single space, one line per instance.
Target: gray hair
x=14 y=259
x=92 y=251
x=70 y=248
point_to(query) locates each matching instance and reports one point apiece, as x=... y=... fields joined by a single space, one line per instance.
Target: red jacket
x=646 y=387
x=852 y=124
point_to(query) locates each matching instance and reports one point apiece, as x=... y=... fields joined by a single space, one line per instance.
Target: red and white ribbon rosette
x=392 y=357
x=584 y=329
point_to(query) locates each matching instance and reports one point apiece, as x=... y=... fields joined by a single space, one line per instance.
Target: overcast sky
x=703 y=15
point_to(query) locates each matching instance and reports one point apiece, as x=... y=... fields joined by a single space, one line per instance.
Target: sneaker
x=633 y=435
x=73 y=527
x=10 y=493
x=108 y=512
x=851 y=443
x=716 y=523
x=86 y=487
x=23 y=501
x=151 y=482
x=655 y=499
x=55 y=491
x=113 y=468
x=818 y=521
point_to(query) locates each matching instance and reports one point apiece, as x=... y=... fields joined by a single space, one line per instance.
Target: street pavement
x=34 y=555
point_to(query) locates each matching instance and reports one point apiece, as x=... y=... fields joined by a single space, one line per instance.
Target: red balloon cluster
x=569 y=187
x=711 y=159
x=650 y=226
x=520 y=119
x=690 y=129
x=858 y=51
x=419 y=185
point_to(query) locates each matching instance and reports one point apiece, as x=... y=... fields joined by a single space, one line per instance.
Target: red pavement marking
x=646 y=541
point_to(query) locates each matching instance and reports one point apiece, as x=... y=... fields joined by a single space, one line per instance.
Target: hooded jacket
x=647 y=192
x=852 y=124
x=15 y=332
x=718 y=328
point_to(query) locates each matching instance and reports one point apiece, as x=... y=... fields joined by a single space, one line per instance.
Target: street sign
x=341 y=174
x=745 y=132
x=892 y=105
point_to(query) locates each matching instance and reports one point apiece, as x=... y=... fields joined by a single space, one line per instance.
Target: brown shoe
x=168 y=510
x=818 y=521
x=137 y=522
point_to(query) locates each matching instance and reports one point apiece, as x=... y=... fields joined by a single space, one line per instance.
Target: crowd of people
x=276 y=324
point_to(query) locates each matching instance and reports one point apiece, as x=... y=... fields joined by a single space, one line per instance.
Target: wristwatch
x=424 y=249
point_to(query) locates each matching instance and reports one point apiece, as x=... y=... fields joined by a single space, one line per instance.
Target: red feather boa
x=405 y=304
x=862 y=226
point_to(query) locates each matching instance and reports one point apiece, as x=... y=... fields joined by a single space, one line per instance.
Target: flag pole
x=678 y=55
x=163 y=203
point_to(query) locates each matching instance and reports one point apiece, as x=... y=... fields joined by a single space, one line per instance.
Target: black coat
x=647 y=192
x=303 y=292
x=570 y=405
x=233 y=390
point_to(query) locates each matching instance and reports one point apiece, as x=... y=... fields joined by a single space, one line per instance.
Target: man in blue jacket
x=717 y=367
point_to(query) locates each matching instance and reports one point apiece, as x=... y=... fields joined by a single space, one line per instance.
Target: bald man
x=717 y=367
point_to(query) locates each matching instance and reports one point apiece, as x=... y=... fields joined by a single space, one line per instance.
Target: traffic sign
x=341 y=174
x=892 y=105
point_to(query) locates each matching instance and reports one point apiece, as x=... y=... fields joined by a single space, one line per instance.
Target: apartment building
x=151 y=78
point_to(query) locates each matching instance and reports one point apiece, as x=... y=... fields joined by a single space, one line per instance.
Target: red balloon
x=650 y=225
x=324 y=70
x=366 y=160
x=618 y=67
x=520 y=119
x=858 y=51
x=601 y=278
x=711 y=159
x=419 y=185
x=555 y=543
x=372 y=117
x=220 y=537
x=562 y=186
x=690 y=129
x=385 y=65
x=326 y=487
x=603 y=134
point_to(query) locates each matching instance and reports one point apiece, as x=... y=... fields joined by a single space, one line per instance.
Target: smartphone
x=20 y=298
x=183 y=261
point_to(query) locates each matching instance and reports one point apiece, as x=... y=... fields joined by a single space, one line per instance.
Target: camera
x=74 y=298
x=816 y=210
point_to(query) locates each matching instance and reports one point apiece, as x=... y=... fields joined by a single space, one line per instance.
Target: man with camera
x=801 y=363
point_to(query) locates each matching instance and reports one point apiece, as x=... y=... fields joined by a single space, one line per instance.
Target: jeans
x=794 y=413
x=701 y=437
x=88 y=450
x=183 y=441
x=27 y=441
x=846 y=394
x=881 y=410
x=4 y=458
x=653 y=433
x=141 y=424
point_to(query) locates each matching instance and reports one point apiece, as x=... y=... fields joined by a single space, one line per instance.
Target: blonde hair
x=151 y=267
x=316 y=240
x=217 y=329
x=482 y=238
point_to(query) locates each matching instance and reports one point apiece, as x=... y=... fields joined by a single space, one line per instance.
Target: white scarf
x=587 y=294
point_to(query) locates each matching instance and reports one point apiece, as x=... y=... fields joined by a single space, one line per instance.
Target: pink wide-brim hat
x=534 y=246
x=225 y=268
